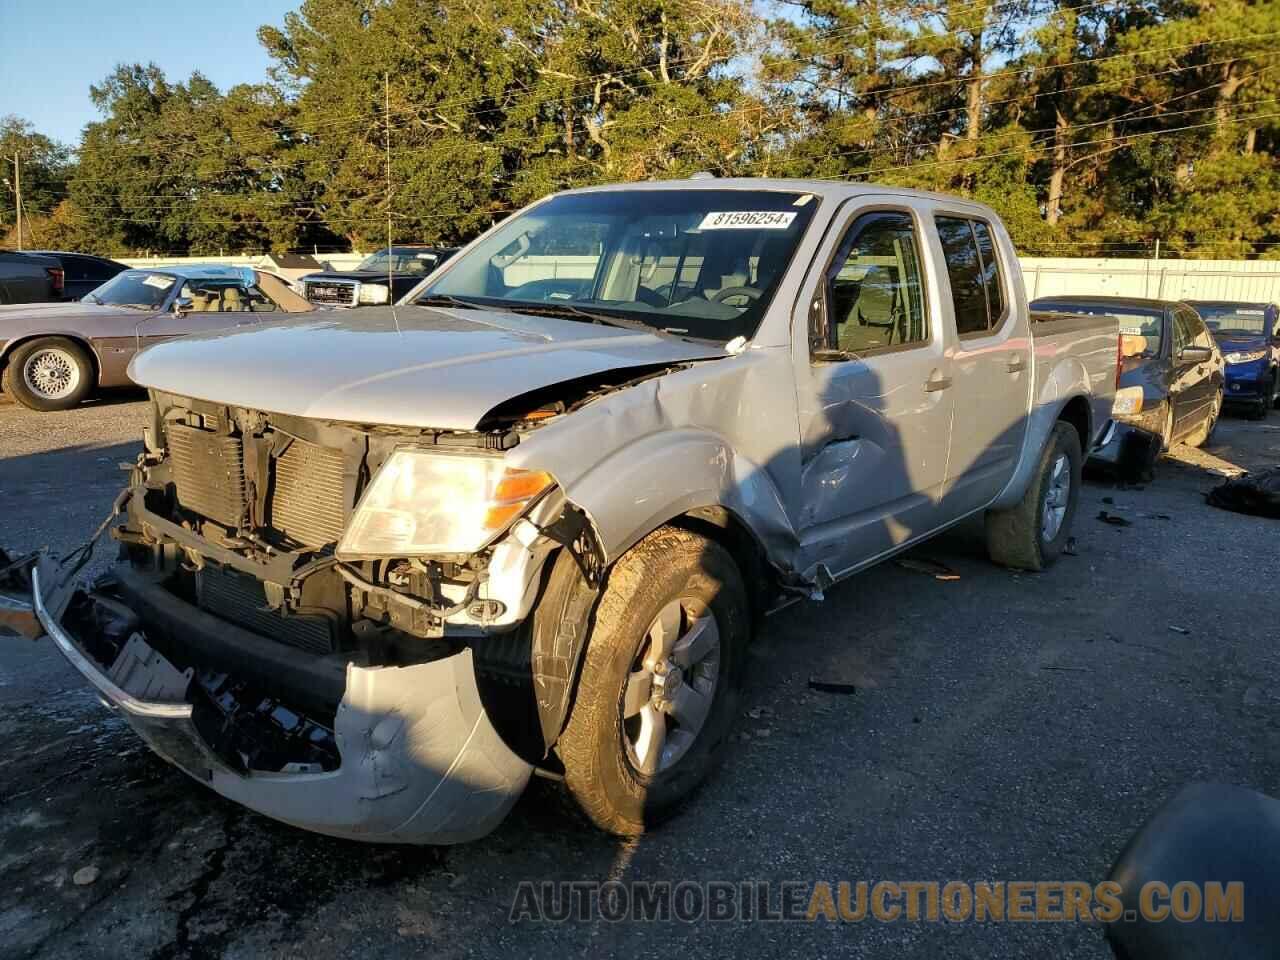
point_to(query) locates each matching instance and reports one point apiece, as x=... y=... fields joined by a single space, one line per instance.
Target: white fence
x=1250 y=280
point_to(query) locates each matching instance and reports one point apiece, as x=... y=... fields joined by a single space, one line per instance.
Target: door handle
x=1017 y=364
x=934 y=384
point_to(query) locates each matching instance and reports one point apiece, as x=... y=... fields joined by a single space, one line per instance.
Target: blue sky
x=51 y=51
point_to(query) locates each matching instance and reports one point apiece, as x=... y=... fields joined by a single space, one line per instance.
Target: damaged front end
x=263 y=631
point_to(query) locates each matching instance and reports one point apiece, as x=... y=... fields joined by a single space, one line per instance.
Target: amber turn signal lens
x=520 y=485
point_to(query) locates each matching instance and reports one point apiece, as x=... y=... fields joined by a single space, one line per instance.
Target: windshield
x=1234 y=318
x=702 y=263
x=413 y=262
x=134 y=288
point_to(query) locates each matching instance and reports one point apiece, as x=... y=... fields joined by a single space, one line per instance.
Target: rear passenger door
x=991 y=361
x=1193 y=380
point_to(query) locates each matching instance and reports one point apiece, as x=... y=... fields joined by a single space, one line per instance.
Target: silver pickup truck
x=377 y=568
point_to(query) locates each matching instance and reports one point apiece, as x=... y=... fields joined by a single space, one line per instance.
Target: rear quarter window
x=964 y=271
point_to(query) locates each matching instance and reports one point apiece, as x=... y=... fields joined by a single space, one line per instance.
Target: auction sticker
x=747 y=220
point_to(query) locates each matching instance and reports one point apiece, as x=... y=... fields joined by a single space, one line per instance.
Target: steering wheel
x=751 y=293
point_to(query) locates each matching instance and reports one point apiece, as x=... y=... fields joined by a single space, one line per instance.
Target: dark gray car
x=29 y=278
x=1171 y=375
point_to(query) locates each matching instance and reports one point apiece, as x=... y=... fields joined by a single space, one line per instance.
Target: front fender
x=637 y=458
x=646 y=483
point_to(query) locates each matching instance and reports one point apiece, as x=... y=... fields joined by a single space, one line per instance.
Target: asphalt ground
x=1001 y=726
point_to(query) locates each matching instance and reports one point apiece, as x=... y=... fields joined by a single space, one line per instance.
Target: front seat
x=232 y=301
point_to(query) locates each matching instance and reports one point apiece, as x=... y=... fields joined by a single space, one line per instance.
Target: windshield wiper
x=571 y=312
x=445 y=300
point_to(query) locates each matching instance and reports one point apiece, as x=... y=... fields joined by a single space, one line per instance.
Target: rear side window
x=973 y=268
x=990 y=272
x=964 y=270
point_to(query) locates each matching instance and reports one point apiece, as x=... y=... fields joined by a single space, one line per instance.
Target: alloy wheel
x=1056 y=498
x=671 y=687
x=51 y=373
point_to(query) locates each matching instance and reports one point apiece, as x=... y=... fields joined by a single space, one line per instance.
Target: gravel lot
x=1005 y=726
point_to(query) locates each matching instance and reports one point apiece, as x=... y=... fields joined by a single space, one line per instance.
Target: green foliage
x=1089 y=127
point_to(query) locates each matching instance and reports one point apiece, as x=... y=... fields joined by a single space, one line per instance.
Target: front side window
x=699 y=263
x=964 y=270
x=875 y=293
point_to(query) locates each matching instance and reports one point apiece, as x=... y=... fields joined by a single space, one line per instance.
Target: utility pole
x=17 y=193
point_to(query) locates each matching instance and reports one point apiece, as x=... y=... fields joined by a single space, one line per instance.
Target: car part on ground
x=1257 y=494
x=379 y=565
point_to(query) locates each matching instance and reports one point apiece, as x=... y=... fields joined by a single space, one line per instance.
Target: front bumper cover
x=421 y=762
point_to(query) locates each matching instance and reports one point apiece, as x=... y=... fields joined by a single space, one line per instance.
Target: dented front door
x=875 y=397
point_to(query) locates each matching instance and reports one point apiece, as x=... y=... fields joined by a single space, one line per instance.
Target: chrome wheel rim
x=671 y=687
x=51 y=374
x=1055 y=498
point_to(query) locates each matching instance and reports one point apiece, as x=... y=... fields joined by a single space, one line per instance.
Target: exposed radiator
x=240 y=599
x=208 y=471
x=308 y=501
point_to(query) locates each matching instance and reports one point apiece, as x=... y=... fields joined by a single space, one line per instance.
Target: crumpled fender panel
x=713 y=434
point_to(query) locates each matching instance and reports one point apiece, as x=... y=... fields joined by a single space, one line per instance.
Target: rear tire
x=1032 y=534
x=672 y=588
x=1204 y=433
x=49 y=373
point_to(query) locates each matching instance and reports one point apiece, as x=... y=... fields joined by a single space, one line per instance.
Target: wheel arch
x=77 y=338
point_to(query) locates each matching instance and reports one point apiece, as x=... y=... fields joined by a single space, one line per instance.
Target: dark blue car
x=1249 y=336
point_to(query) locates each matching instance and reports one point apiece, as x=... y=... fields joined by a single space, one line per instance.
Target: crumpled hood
x=59 y=313
x=415 y=367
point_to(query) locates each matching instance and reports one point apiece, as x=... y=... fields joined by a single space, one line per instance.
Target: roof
x=203 y=271
x=73 y=253
x=836 y=189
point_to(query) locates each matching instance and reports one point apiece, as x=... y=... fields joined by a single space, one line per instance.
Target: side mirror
x=1195 y=354
x=182 y=306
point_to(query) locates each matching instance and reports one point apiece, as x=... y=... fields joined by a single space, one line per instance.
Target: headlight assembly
x=373 y=293
x=430 y=503
x=1245 y=356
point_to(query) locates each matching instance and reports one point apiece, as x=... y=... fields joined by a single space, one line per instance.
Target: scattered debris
x=1183 y=630
x=85 y=876
x=939 y=571
x=832 y=686
x=1255 y=494
x=764 y=732
x=1108 y=500
x=755 y=713
x=1114 y=520
x=1155 y=516
x=1070 y=549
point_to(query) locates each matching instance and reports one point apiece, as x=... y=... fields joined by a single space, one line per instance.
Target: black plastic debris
x=939 y=571
x=832 y=686
x=1113 y=519
x=1257 y=494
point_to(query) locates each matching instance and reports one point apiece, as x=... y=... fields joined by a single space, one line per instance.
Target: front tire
x=49 y=373
x=1204 y=433
x=660 y=681
x=1032 y=534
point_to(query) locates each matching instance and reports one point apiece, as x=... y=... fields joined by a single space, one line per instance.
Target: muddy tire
x=1204 y=433
x=50 y=373
x=1032 y=534
x=660 y=681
